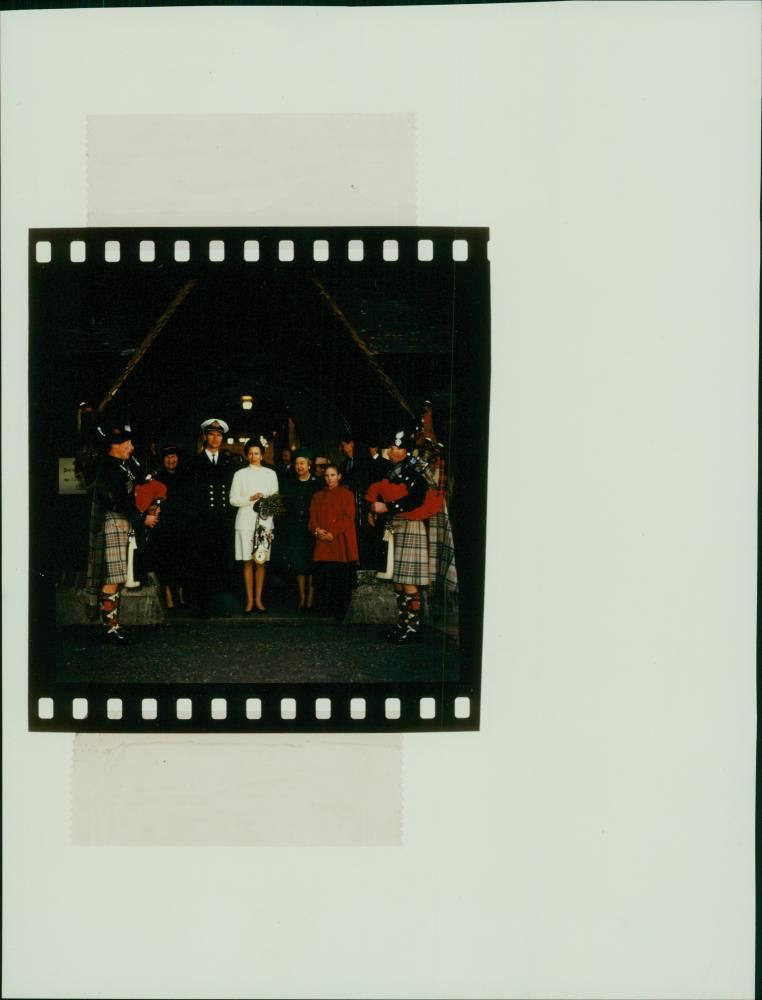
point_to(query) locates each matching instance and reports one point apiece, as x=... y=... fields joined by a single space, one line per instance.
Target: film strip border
x=283 y=707
x=259 y=246
x=215 y=707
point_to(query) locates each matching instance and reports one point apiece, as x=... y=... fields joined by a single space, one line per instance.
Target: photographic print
x=259 y=486
x=258 y=232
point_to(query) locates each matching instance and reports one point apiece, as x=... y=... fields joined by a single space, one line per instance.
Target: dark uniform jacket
x=209 y=490
x=409 y=474
x=210 y=520
x=115 y=491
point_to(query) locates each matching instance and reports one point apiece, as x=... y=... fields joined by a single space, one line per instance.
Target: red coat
x=334 y=511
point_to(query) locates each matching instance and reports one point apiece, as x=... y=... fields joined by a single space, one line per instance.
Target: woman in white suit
x=253 y=533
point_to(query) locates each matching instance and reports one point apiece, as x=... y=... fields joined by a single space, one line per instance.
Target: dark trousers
x=333 y=587
x=210 y=563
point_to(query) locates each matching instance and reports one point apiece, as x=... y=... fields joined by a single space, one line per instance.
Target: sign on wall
x=67 y=477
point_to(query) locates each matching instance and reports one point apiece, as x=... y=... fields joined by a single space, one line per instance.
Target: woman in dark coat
x=170 y=536
x=298 y=543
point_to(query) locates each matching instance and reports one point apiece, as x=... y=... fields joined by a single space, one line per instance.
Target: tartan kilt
x=411 y=552
x=108 y=552
x=442 y=551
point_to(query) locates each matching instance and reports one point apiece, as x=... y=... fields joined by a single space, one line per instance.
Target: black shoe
x=391 y=631
x=408 y=637
x=116 y=638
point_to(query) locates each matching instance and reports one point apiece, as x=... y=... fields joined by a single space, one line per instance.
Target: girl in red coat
x=332 y=523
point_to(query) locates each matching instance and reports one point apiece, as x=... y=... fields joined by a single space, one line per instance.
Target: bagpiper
x=405 y=494
x=114 y=518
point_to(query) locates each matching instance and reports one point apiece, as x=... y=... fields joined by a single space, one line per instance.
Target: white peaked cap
x=215 y=420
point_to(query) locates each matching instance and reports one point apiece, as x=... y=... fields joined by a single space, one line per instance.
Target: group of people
x=181 y=520
x=320 y=538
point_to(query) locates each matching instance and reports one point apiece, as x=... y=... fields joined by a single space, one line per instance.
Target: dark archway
x=285 y=341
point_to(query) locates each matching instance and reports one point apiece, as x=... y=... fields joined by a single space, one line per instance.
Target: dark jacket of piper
x=410 y=475
x=115 y=491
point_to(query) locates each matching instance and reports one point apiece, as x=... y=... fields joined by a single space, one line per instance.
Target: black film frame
x=419 y=297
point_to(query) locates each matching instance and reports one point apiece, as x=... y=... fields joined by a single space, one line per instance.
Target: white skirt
x=244 y=544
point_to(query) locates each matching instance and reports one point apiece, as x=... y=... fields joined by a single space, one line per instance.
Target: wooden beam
x=360 y=343
x=147 y=341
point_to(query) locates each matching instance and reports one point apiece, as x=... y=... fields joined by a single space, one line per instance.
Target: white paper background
x=596 y=838
x=276 y=169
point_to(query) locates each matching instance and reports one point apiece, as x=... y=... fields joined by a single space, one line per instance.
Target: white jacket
x=246 y=482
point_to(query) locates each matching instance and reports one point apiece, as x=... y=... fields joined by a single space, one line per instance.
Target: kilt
x=411 y=552
x=442 y=551
x=108 y=556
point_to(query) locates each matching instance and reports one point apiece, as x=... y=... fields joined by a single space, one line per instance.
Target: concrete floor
x=283 y=645
x=248 y=649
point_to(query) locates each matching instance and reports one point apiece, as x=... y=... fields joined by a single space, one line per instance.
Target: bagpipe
x=148 y=497
x=387 y=492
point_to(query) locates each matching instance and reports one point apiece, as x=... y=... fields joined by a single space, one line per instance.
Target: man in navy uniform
x=211 y=524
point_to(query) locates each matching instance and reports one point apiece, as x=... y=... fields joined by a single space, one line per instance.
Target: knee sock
x=401 y=610
x=412 y=611
x=109 y=609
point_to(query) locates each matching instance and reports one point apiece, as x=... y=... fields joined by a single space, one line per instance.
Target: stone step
x=141 y=606
x=373 y=602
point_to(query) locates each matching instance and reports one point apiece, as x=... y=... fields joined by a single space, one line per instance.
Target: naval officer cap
x=214 y=424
